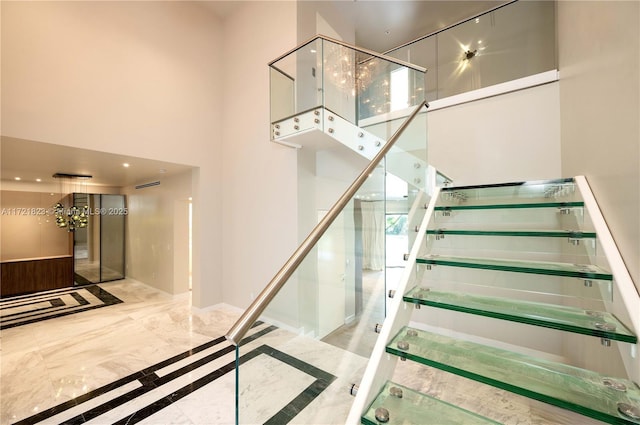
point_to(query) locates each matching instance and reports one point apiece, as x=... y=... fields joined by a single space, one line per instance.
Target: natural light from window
x=399 y=89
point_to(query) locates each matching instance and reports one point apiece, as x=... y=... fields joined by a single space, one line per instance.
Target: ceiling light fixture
x=125 y=165
x=470 y=54
x=72 y=217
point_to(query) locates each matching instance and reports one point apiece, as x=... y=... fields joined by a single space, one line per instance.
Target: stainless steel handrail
x=351 y=46
x=251 y=314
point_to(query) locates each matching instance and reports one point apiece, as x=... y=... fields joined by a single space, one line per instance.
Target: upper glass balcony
x=513 y=41
x=351 y=82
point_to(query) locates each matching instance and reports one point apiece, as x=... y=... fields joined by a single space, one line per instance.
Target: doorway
x=98 y=248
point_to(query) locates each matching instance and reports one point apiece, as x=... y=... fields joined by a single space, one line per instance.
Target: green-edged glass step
x=572 y=388
x=582 y=271
x=412 y=407
x=564 y=318
x=577 y=204
x=573 y=234
x=546 y=189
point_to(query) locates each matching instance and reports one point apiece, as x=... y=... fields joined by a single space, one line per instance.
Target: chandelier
x=71 y=217
x=346 y=70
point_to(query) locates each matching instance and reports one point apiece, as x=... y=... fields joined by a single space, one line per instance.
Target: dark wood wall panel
x=26 y=276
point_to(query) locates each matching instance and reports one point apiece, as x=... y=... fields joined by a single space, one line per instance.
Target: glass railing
x=350 y=82
x=326 y=301
x=510 y=42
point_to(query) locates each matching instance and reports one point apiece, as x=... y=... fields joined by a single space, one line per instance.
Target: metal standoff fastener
x=330 y=118
x=416 y=229
x=604 y=326
x=614 y=385
x=574 y=241
x=417 y=180
x=382 y=415
x=412 y=332
x=594 y=313
x=629 y=410
x=296 y=119
x=588 y=283
x=605 y=342
x=428 y=266
x=360 y=147
x=395 y=392
x=377 y=328
x=378 y=143
x=277 y=125
x=405 y=257
x=353 y=389
x=416 y=165
x=296 y=127
x=360 y=134
x=330 y=130
x=421 y=293
x=317 y=121
x=277 y=133
x=403 y=345
x=316 y=112
x=392 y=293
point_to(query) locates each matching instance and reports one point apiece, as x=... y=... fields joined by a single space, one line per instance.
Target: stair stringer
x=295 y=131
x=381 y=365
x=626 y=305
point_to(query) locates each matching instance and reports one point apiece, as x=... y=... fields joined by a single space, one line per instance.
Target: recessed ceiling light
x=162 y=171
x=125 y=165
x=17 y=178
x=38 y=180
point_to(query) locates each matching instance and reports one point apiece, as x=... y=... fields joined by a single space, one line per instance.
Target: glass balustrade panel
x=296 y=81
x=346 y=81
x=511 y=42
x=315 y=337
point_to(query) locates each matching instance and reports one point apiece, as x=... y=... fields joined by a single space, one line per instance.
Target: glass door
x=98 y=248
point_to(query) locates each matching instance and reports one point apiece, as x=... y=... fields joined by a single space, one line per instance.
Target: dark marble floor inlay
x=151 y=378
x=25 y=309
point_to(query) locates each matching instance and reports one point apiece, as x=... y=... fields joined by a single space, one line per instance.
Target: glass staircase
x=475 y=262
x=517 y=286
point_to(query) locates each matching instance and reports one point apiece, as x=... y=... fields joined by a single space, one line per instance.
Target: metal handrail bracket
x=257 y=307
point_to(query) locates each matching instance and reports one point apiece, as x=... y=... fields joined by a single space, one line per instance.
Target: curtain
x=373 y=226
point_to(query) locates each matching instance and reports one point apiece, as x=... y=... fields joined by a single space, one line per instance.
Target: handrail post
x=251 y=314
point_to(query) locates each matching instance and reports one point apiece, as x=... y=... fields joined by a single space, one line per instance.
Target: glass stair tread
x=522 y=185
x=497 y=206
x=416 y=408
x=564 y=318
x=542 y=189
x=531 y=233
x=572 y=388
x=582 y=271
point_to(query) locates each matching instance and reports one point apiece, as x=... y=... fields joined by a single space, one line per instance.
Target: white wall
x=155 y=234
x=599 y=50
x=512 y=137
x=134 y=78
x=29 y=228
x=259 y=197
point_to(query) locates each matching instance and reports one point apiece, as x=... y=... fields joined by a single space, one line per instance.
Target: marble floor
x=152 y=359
